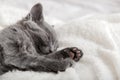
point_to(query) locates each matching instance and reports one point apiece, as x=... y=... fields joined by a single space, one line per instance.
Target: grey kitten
x=31 y=44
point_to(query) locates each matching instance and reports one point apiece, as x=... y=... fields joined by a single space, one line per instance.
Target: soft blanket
x=98 y=37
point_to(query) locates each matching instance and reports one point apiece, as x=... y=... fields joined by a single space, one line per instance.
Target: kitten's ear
x=36 y=13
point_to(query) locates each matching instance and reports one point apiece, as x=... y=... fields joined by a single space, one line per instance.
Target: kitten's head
x=48 y=40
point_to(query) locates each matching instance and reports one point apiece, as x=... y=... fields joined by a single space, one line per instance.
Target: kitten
x=31 y=44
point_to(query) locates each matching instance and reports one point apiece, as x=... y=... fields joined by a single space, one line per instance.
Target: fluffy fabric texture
x=97 y=36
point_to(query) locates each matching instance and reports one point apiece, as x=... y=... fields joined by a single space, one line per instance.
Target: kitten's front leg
x=40 y=63
x=70 y=52
x=50 y=65
x=35 y=63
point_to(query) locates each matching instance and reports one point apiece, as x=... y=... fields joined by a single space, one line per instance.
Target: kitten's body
x=27 y=46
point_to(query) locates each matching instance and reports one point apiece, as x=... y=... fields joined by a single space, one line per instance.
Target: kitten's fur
x=31 y=44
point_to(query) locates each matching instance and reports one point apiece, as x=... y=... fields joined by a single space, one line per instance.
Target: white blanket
x=99 y=39
x=97 y=36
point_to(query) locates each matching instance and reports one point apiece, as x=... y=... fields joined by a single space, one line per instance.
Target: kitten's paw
x=73 y=52
x=61 y=65
x=65 y=64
